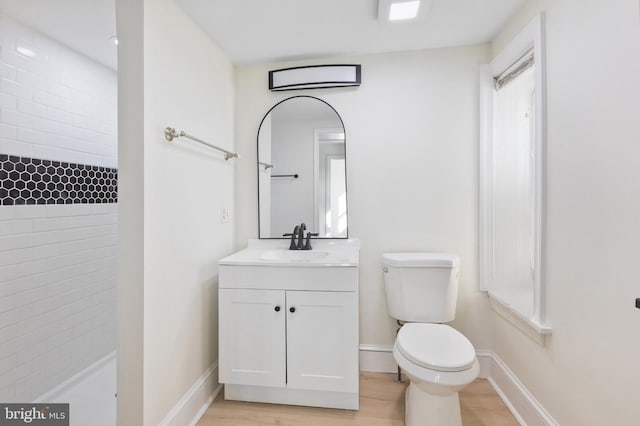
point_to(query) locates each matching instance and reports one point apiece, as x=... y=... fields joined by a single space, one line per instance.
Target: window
x=512 y=181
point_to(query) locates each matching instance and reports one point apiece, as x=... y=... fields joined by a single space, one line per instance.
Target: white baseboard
x=196 y=400
x=484 y=359
x=524 y=407
x=75 y=379
x=377 y=359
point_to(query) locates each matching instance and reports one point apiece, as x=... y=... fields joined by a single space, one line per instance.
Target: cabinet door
x=322 y=341
x=252 y=337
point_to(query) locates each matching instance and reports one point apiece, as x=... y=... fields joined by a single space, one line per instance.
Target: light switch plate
x=225 y=213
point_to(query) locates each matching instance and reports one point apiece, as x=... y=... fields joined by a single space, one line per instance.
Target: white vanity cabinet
x=252 y=337
x=289 y=334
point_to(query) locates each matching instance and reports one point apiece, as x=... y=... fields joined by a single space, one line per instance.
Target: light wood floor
x=381 y=403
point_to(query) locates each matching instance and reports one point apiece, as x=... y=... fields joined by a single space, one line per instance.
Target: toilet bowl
x=439 y=361
x=422 y=290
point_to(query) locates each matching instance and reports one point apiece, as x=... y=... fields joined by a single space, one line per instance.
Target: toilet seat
x=437 y=347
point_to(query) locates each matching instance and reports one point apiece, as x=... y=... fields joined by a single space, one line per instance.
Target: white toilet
x=422 y=290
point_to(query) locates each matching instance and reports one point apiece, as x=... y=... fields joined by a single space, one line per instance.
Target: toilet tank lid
x=416 y=260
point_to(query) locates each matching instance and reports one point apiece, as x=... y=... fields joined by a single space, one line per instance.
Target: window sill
x=516 y=306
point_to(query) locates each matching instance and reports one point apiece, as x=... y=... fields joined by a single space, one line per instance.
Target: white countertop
x=275 y=252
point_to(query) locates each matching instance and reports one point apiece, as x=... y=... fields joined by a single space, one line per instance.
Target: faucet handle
x=307 y=246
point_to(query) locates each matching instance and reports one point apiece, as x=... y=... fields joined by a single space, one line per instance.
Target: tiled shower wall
x=58 y=159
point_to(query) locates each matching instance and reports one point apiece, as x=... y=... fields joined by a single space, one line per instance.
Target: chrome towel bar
x=170 y=134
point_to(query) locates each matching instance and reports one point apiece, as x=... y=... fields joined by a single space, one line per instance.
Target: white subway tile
x=31 y=108
x=16 y=315
x=39 y=386
x=13 y=272
x=13 y=147
x=41 y=96
x=7 y=363
x=7 y=131
x=61 y=116
x=31 y=136
x=61 y=210
x=60 y=339
x=31 y=351
x=9 y=227
x=64 y=142
x=16 y=118
x=19 y=300
x=22 y=370
x=16 y=89
x=9 y=287
x=13 y=257
x=55 y=154
x=24 y=390
x=8 y=101
x=30 y=212
x=72 y=271
x=59 y=90
x=51 y=224
x=13 y=242
x=20 y=61
x=35 y=81
x=7 y=212
x=8 y=393
x=59 y=262
x=53 y=250
x=82 y=328
x=7 y=72
x=53 y=237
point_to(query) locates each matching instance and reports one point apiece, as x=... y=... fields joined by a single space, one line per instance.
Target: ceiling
x=254 y=31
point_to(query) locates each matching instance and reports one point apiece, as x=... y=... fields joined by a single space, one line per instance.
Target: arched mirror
x=302 y=169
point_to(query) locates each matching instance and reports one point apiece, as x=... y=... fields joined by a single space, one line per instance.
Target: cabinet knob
x=292 y=309
x=277 y=308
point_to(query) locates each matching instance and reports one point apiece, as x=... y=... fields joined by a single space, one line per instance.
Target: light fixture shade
x=315 y=77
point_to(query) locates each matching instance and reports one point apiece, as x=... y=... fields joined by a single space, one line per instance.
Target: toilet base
x=424 y=409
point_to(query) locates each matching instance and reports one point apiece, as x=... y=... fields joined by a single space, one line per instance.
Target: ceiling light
x=404 y=10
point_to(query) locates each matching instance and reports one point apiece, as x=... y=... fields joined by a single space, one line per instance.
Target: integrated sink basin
x=276 y=253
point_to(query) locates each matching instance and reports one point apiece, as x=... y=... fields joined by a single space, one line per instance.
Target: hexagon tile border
x=31 y=181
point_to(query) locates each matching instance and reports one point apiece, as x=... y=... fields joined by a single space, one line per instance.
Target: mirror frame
x=346 y=184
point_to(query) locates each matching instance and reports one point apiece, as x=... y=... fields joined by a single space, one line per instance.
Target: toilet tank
x=421 y=287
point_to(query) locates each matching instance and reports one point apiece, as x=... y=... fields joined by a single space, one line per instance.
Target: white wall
x=411 y=148
x=131 y=179
x=188 y=84
x=588 y=372
x=57 y=262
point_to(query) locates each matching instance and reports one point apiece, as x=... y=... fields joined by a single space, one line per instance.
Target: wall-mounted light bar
x=315 y=77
